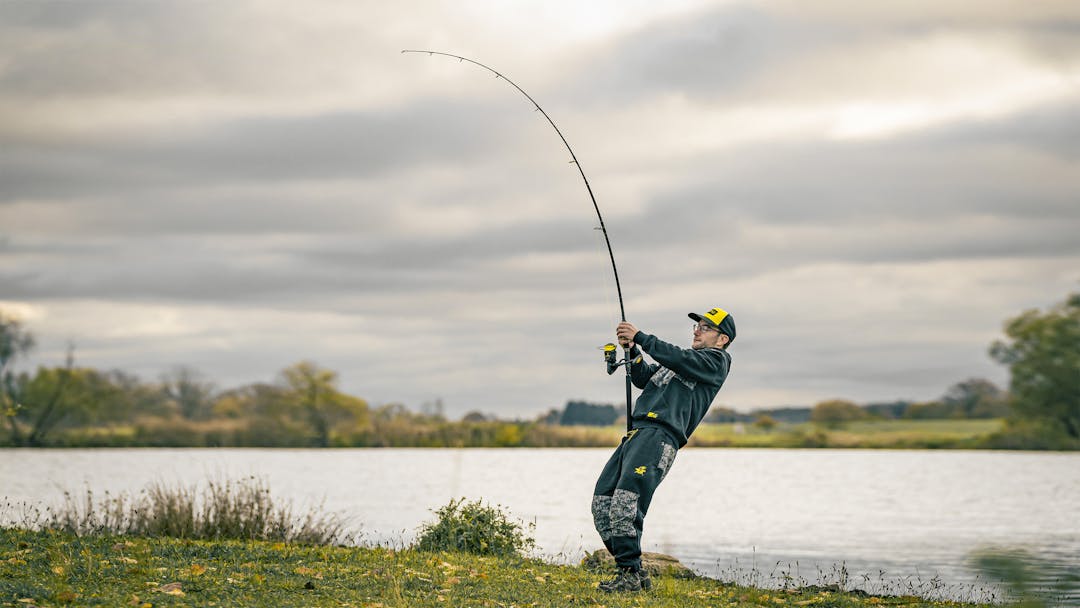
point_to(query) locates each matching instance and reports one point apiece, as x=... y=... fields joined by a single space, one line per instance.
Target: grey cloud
x=864 y=202
x=345 y=145
x=726 y=54
x=64 y=15
x=142 y=49
x=934 y=174
x=708 y=55
x=1050 y=129
x=223 y=268
x=341 y=145
x=942 y=194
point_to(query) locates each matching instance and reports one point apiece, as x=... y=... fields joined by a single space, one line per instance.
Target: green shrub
x=474 y=528
x=1020 y=434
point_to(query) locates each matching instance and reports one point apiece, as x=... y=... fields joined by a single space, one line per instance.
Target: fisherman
x=675 y=397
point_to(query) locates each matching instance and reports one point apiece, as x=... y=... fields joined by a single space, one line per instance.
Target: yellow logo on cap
x=716 y=315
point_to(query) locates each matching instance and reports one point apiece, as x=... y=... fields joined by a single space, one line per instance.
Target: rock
x=656 y=564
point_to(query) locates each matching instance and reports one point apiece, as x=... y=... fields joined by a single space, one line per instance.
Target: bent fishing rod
x=609 y=349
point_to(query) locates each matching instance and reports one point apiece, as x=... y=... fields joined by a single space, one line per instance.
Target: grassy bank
x=50 y=568
x=874 y=434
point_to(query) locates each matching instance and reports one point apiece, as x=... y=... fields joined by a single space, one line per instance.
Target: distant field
x=864 y=434
x=902 y=434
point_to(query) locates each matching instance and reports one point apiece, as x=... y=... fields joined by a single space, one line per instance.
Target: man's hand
x=626 y=332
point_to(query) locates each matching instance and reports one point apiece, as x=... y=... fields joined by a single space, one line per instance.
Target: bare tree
x=15 y=342
x=192 y=395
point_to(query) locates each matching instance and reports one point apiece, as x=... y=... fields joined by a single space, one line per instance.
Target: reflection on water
x=873 y=517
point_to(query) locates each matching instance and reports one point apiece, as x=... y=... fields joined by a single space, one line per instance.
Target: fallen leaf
x=305 y=571
x=172 y=589
x=128 y=560
x=453 y=580
x=197 y=570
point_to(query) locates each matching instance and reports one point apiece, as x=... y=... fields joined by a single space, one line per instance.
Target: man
x=676 y=394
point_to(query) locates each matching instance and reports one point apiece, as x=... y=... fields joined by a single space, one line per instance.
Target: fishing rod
x=609 y=349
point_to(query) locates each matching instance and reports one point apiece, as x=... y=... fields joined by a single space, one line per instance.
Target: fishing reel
x=611 y=358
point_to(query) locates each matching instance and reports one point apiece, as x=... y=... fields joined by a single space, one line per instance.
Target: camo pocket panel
x=624 y=508
x=601 y=514
x=667 y=457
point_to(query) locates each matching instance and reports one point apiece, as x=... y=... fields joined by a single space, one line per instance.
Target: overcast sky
x=871 y=188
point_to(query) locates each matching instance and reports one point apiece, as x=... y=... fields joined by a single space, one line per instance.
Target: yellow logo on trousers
x=640 y=470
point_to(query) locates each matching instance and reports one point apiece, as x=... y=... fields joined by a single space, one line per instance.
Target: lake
x=891 y=520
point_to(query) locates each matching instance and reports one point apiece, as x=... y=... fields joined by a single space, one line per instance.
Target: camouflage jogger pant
x=625 y=489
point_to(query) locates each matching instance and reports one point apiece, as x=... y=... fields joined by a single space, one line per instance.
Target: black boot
x=627 y=581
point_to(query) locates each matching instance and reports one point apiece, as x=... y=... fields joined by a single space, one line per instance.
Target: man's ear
x=724 y=340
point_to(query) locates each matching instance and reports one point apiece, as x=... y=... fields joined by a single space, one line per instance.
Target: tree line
x=304 y=406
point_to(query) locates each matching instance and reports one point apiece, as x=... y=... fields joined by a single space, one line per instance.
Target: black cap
x=718 y=318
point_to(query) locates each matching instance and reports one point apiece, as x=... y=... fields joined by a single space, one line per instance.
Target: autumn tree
x=835 y=413
x=15 y=342
x=1043 y=355
x=976 y=398
x=765 y=422
x=44 y=400
x=188 y=392
x=313 y=391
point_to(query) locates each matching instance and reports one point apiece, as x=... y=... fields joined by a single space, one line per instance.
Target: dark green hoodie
x=677 y=393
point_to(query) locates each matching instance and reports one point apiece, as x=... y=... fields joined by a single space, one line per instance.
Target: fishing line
x=574 y=161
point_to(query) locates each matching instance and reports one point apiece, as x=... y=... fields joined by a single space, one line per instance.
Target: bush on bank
x=473 y=527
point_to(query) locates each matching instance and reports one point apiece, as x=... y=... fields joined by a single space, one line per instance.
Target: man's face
x=707 y=336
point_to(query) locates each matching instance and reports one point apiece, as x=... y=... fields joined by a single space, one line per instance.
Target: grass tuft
x=240 y=510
